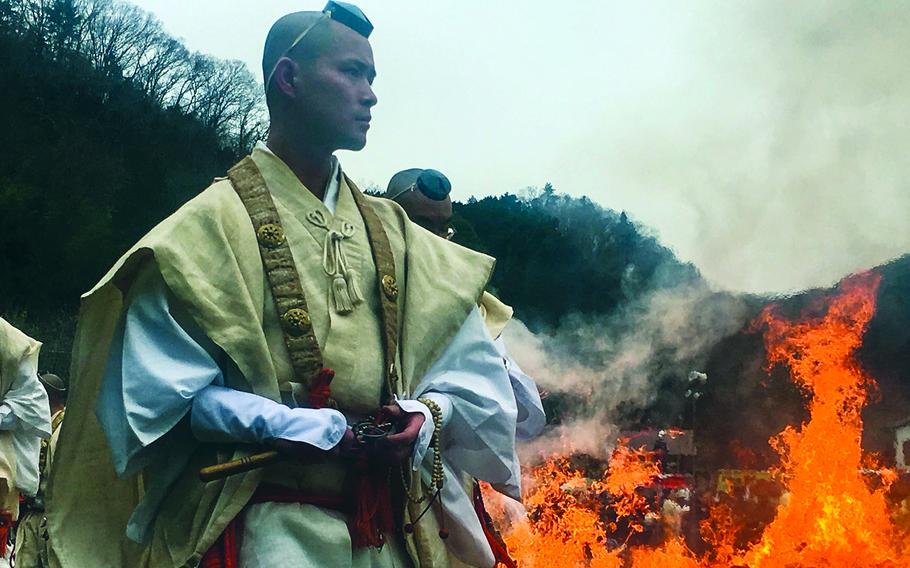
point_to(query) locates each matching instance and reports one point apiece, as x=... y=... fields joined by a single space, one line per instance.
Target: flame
x=629 y=470
x=563 y=526
x=831 y=517
x=829 y=514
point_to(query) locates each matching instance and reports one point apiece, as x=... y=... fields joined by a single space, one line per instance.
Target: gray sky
x=764 y=141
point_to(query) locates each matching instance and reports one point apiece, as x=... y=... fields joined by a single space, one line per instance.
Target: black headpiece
x=349 y=15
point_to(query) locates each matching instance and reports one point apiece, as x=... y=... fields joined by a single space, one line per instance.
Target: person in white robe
x=425 y=195
x=163 y=368
x=24 y=420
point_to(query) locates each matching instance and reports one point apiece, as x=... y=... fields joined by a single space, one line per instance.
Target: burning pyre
x=827 y=509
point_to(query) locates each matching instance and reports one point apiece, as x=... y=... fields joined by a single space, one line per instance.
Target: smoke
x=773 y=154
x=605 y=369
x=765 y=143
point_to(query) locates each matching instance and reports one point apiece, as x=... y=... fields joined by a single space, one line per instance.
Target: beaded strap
x=384 y=259
x=438 y=475
x=280 y=270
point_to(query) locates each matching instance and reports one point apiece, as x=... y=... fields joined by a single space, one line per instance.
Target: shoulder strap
x=280 y=270
x=388 y=286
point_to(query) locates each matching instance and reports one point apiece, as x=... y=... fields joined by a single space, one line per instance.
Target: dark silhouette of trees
x=557 y=254
x=123 y=43
x=109 y=124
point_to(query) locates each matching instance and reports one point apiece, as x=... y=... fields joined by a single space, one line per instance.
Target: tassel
x=343 y=304
x=321 y=389
x=372 y=506
x=353 y=287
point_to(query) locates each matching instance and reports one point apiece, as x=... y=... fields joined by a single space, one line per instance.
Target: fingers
x=391 y=412
x=412 y=425
x=401 y=444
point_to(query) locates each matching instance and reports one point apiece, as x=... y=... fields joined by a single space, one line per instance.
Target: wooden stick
x=233 y=467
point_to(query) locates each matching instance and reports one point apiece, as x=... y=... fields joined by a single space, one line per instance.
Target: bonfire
x=827 y=514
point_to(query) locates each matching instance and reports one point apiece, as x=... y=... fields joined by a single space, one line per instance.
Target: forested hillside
x=109 y=124
x=557 y=255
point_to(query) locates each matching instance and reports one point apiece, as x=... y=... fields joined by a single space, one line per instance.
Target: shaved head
x=431 y=214
x=401 y=181
x=318 y=75
x=287 y=30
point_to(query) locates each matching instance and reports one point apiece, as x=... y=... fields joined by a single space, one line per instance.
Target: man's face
x=434 y=216
x=336 y=93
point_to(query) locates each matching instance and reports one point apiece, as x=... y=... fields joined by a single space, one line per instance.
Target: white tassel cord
x=345 y=288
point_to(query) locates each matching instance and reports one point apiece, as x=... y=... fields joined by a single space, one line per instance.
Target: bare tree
x=124 y=41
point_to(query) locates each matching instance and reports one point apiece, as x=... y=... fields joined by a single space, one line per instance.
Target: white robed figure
x=24 y=420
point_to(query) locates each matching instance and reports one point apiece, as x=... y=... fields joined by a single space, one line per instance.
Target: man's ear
x=287 y=74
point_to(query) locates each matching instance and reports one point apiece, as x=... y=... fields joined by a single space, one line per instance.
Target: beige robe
x=208 y=256
x=31 y=546
x=16 y=348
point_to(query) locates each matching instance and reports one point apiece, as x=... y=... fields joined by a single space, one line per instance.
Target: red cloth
x=497 y=545
x=373 y=505
x=267 y=493
x=321 y=389
x=6 y=525
x=225 y=553
x=372 y=508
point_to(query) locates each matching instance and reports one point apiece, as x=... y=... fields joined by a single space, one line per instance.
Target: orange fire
x=629 y=470
x=828 y=516
x=563 y=525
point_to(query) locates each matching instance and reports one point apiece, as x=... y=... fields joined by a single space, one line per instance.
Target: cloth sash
x=225 y=553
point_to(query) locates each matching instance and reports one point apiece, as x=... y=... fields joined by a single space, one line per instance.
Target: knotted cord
x=345 y=288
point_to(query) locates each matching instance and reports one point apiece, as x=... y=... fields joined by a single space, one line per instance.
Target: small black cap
x=52 y=382
x=434 y=185
x=349 y=15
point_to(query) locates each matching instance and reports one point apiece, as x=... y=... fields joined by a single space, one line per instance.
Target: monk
x=31 y=531
x=425 y=195
x=284 y=313
x=24 y=420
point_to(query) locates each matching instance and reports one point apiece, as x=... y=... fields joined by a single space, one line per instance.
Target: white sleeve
x=531 y=415
x=156 y=369
x=470 y=383
x=30 y=417
x=28 y=404
x=8 y=420
x=479 y=430
x=222 y=415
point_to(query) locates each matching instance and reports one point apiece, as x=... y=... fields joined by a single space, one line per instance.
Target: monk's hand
x=348 y=446
x=399 y=446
